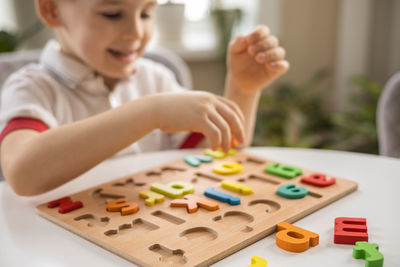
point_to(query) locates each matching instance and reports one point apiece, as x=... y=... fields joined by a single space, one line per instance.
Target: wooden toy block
x=284 y=171
x=151 y=197
x=369 y=252
x=161 y=235
x=192 y=202
x=236 y=187
x=290 y=191
x=196 y=160
x=175 y=189
x=218 y=154
x=318 y=179
x=258 y=262
x=217 y=195
x=295 y=239
x=124 y=207
x=350 y=230
x=228 y=167
x=65 y=204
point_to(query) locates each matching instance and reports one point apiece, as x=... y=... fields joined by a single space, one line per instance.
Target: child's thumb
x=238 y=45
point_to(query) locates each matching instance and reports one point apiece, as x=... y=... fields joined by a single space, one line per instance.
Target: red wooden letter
x=318 y=179
x=66 y=204
x=350 y=230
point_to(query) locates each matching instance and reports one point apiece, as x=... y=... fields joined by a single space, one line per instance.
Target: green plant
x=356 y=129
x=10 y=41
x=295 y=116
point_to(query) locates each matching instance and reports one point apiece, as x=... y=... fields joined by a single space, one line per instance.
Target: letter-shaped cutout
x=290 y=191
x=219 y=154
x=258 y=262
x=295 y=239
x=350 y=230
x=196 y=160
x=217 y=195
x=318 y=179
x=228 y=167
x=124 y=207
x=284 y=171
x=173 y=189
x=192 y=202
x=151 y=197
x=369 y=252
x=236 y=187
x=66 y=204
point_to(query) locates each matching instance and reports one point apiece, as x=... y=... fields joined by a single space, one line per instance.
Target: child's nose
x=133 y=30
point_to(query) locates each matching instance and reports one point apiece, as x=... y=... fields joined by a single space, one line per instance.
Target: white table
x=27 y=239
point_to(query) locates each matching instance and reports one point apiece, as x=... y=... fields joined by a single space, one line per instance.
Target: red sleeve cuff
x=192 y=140
x=23 y=123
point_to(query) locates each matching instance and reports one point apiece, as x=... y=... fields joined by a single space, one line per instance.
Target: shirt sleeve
x=24 y=97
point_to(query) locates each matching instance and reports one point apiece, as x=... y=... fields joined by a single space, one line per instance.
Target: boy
x=91 y=96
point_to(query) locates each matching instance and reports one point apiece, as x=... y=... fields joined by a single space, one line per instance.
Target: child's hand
x=256 y=60
x=217 y=118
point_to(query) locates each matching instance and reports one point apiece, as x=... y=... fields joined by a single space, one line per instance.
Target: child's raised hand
x=217 y=118
x=256 y=60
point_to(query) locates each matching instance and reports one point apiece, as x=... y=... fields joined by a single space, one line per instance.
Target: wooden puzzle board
x=161 y=235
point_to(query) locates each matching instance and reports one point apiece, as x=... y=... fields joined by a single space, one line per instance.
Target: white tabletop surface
x=26 y=239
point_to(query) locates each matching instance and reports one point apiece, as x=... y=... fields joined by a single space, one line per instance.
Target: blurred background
x=341 y=54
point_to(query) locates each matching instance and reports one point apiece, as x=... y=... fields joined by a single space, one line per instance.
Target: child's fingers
x=261 y=32
x=263 y=45
x=274 y=54
x=213 y=134
x=233 y=120
x=234 y=107
x=280 y=66
x=224 y=130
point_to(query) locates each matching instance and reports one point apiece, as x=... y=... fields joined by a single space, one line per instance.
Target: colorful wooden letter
x=196 y=160
x=151 y=197
x=295 y=239
x=173 y=190
x=318 y=179
x=290 y=191
x=258 y=262
x=217 y=195
x=288 y=172
x=228 y=167
x=237 y=187
x=350 y=230
x=66 y=204
x=192 y=202
x=369 y=252
x=218 y=154
x=124 y=207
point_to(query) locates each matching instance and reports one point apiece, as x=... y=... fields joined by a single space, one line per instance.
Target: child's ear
x=47 y=10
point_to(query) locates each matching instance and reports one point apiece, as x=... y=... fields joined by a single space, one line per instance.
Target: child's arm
x=34 y=162
x=254 y=62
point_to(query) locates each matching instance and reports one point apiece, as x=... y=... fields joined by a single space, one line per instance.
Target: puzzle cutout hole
x=271 y=206
x=167 y=217
x=168 y=255
x=199 y=234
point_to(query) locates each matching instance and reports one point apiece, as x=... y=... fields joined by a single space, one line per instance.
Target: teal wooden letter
x=288 y=172
x=290 y=191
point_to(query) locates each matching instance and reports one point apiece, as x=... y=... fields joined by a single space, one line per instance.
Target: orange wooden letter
x=120 y=204
x=295 y=239
x=192 y=202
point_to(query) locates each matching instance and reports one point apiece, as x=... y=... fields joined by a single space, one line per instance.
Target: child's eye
x=112 y=16
x=145 y=15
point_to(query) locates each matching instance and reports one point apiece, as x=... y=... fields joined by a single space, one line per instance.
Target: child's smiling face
x=107 y=35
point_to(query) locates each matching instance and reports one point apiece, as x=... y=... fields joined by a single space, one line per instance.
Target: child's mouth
x=123 y=56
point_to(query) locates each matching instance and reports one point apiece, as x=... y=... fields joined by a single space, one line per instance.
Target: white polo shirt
x=61 y=90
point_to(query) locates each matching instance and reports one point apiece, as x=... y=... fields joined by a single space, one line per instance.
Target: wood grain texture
x=161 y=235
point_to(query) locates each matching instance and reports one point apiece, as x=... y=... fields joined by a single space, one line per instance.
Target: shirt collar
x=68 y=69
